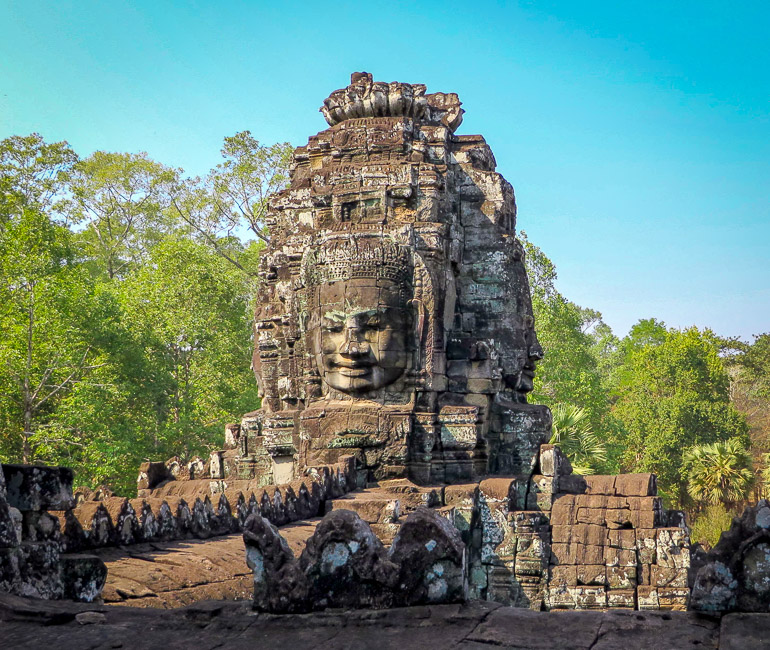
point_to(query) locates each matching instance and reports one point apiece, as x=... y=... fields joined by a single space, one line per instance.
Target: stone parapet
x=199 y=508
x=33 y=559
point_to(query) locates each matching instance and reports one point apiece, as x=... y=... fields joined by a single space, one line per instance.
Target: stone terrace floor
x=26 y=623
x=174 y=574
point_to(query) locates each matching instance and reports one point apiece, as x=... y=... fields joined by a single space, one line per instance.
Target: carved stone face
x=525 y=381
x=361 y=339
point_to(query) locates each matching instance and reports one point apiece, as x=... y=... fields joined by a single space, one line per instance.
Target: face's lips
x=355 y=372
x=352 y=364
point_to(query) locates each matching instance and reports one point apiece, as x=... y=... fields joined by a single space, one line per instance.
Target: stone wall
x=33 y=561
x=198 y=508
x=552 y=541
x=344 y=564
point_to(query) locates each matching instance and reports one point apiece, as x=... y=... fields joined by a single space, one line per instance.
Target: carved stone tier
x=394 y=320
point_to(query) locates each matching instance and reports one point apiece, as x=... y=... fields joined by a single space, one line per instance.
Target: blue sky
x=636 y=135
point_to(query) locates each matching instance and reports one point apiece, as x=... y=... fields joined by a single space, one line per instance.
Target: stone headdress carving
x=344 y=257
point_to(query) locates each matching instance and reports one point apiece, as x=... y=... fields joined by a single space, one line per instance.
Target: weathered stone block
x=619 y=557
x=591 y=501
x=373 y=511
x=673 y=547
x=40 y=527
x=647 y=598
x=563 y=512
x=591 y=574
x=621 y=577
x=560 y=597
x=553 y=462
x=593 y=554
x=31 y=487
x=618 y=518
x=496 y=529
x=600 y=484
x=596 y=516
x=9 y=535
x=647 y=545
x=621 y=598
x=566 y=554
x=563 y=575
x=673 y=598
x=662 y=576
x=623 y=538
x=636 y=485
x=586 y=597
x=39 y=570
x=82 y=576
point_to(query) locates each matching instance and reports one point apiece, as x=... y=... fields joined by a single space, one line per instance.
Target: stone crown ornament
x=367 y=98
x=345 y=257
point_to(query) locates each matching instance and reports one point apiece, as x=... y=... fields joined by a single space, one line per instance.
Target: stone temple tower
x=394 y=319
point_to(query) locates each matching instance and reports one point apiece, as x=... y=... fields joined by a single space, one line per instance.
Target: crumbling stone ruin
x=734 y=576
x=33 y=561
x=196 y=508
x=394 y=320
x=394 y=325
x=394 y=328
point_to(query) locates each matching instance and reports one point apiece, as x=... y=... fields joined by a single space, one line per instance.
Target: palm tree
x=720 y=472
x=572 y=431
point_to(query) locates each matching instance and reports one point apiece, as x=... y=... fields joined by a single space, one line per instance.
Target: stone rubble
x=607 y=547
x=33 y=558
x=734 y=576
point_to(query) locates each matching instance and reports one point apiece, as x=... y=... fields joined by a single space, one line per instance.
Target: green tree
x=573 y=433
x=120 y=201
x=232 y=200
x=47 y=305
x=671 y=394
x=572 y=339
x=34 y=174
x=749 y=367
x=720 y=472
x=190 y=309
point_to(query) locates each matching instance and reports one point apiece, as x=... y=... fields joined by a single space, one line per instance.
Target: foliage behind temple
x=125 y=303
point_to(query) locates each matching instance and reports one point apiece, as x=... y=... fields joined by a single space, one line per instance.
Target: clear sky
x=636 y=134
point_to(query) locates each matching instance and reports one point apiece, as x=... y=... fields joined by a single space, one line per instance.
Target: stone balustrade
x=199 y=509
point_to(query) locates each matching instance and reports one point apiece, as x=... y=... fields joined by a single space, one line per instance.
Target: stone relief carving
x=394 y=320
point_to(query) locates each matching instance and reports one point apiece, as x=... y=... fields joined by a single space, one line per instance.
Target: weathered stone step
x=174 y=574
x=372 y=510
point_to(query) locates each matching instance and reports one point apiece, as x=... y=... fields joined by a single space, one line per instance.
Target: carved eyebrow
x=338 y=315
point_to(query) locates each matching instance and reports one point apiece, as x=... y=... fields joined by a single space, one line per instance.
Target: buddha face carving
x=534 y=353
x=360 y=322
x=362 y=345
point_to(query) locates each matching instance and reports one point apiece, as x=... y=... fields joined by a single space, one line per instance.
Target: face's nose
x=354 y=342
x=535 y=350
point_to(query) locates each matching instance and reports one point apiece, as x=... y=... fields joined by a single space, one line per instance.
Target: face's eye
x=334 y=326
x=373 y=322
